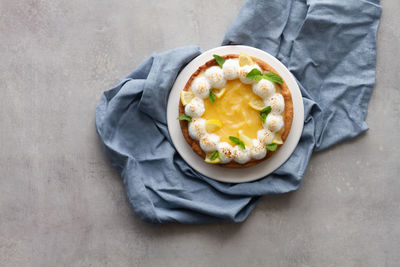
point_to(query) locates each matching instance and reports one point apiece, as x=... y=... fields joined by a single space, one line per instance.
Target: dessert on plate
x=235 y=111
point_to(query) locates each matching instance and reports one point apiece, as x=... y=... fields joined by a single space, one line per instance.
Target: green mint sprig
x=211 y=97
x=273 y=77
x=214 y=155
x=220 y=60
x=271 y=147
x=264 y=113
x=185 y=117
x=237 y=141
x=256 y=75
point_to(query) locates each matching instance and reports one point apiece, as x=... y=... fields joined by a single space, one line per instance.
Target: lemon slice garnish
x=246 y=140
x=277 y=140
x=219 y=92
x=257 y=104
x=212 y=161
x=245 y=60
x=186 y=97
x=213 y=125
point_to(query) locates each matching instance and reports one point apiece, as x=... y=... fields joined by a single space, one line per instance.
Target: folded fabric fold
x=329 y=46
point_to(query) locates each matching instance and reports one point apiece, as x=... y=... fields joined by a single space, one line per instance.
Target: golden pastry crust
x=287 y=114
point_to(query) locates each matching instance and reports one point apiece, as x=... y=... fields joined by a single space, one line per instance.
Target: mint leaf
x=234 y=139
x=241 y=145
x=271 y=147
x=220 y=60
x=273 y=77
x=214 y=155
x=266 y=110
x=254 y=74
x=237 y=141
x=264 y=113
x=185 y=118
x=211 y=97
x=263 y=117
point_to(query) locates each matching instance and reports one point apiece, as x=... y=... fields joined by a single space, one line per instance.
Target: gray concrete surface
x=62 y=204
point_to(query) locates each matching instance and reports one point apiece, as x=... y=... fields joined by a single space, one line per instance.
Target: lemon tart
x=235 y=111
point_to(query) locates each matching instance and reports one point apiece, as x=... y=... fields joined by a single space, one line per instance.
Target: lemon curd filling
x=234 y=112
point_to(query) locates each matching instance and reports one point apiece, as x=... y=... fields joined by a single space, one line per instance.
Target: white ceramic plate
x=227 y=174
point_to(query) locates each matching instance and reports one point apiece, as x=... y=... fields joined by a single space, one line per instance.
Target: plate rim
x=234 y=175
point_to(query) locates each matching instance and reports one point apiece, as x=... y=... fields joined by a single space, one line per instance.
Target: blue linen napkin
x=329 y=46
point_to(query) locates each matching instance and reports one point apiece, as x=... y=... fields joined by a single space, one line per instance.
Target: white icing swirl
x=274 y=123
x=215 y=77
x=277 y=103
x=197 y=128
x=201 y=87
x=231 y=69
x=265 y=136
x=264 y=88
x=257 y=150
x=209 y=142
x=241 y=156
x=225 y=152
x=195 y=108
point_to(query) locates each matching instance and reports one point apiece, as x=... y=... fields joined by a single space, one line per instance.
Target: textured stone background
x=62 y=204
